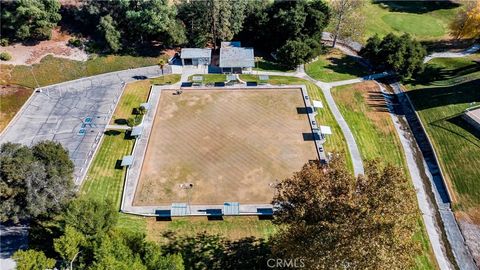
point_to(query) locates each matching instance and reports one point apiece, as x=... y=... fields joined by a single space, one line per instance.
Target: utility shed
x=236 y=59
x=127 y=161
x=196 y=56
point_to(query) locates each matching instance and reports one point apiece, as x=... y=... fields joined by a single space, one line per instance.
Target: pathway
x=467 y=52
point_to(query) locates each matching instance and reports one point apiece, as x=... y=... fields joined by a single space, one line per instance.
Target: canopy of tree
x=336 y=221
x=130 y=23
x=85 y=236
x=34 y=181
x=402 y=54
x=29 y=19
x=467 y=22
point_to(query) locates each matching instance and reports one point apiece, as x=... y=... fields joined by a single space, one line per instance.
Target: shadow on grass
x=112 y=133
x=347 y=65
x=417 y=7
x=433 y=73
x=463 y=124
x=426 y=98
x=376 y=101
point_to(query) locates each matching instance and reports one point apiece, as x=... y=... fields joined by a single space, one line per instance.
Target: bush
x=5 y=56
x=4 y=42
x=75 y=42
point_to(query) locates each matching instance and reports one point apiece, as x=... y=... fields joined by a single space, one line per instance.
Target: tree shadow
x=120 y=121
x=204 y=251
x=112 y=133
x=426 y=98
x=348 y=65
x=417 y=7
x=376 y=101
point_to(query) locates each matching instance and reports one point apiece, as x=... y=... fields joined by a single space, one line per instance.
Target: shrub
x=4 y=42
x=5 y=56
x=75 y=42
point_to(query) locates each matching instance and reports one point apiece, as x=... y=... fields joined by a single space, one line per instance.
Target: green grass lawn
x=440 y=101
x=134 y=94
x=53 y=70
x=210 y=78
x=335 y=66
x=423 y=20
x=363 y=108
x=265 y=65
x=105 y=177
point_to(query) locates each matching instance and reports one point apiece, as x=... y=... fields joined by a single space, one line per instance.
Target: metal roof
x=136 y=131
x=179 y=209
x=317 y=104
x=236 y=57
x=325 y=130
x=231 y=208
x=145 y=105
x=226 y=44
x=195 y=53
x=127 y=161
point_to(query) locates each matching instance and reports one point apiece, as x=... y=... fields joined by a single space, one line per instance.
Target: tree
x=34 y=181
x=32 y=260
x=27 y=19
x=211 y=21
x=334 y=220
x=402 y=54
x=293 y=53
x=110 y=32
x=68 y=245
x=348 y=19
x=467 y=22
x=91 y=217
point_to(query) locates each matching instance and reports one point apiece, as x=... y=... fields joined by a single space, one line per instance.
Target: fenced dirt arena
x=232 y=145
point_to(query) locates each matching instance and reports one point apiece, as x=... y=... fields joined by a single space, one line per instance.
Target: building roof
x=317 y=104
x=179 y=209
x=136 y=131
x=195 y=53
x=231 y=208
x=236 y=57
x=127 y=161
x=145 y=105
x=227 y=44
x=325 y=130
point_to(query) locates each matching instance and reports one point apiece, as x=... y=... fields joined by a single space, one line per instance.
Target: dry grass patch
x=11 y=100
x=230 y=144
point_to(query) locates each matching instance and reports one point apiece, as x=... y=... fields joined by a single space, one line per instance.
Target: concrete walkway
x=467 y=52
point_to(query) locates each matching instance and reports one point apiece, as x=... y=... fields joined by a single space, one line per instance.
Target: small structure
x=231 y=208
x=196 y=56
x=317 y=104
x=127 y=161
x=472 y=116
x=325 y=130
x=179 y=209
x=234 y=59
x=136 y=131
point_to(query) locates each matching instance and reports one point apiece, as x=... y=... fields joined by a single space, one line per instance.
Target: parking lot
x=73 y=113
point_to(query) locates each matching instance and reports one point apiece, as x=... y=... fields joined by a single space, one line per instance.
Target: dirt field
x=230 y=144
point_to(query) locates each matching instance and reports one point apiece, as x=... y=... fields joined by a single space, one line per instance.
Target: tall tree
x=34 y=182
x=110 y=32
x=68 y=245
x=336 y=221
x=347 y=18
x=29 y=19
x=467 y=22
x=32 y=260
x=212 y=21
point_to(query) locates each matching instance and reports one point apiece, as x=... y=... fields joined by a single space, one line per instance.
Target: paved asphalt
x=74 y=113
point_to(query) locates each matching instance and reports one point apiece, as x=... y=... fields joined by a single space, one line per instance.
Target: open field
x=12 y=99
x=53 y=70
x=210 y=78
x=230 y=144
x=424 y=20
x=363 y=107
x=335 y=66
